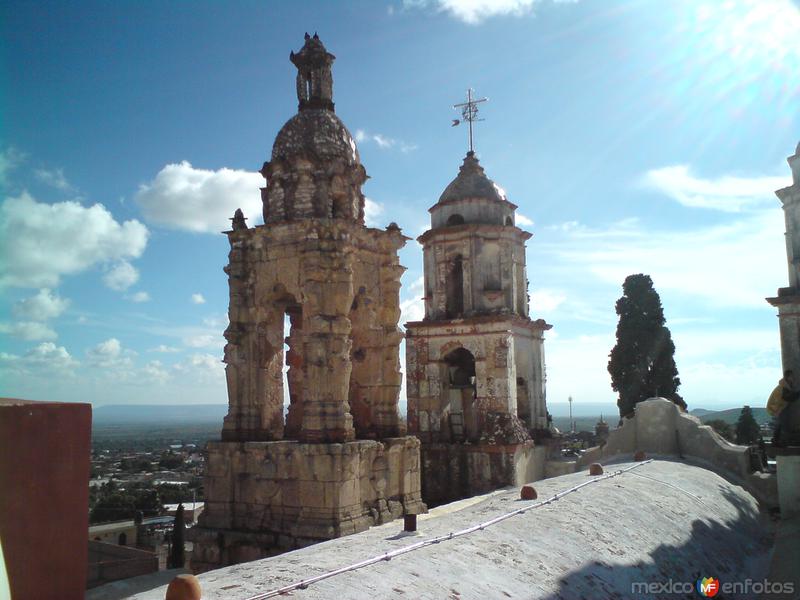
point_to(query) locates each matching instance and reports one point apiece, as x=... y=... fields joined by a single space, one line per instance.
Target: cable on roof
x=301 y=585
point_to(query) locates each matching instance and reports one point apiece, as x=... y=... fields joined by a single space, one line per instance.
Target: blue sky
x=635 y=136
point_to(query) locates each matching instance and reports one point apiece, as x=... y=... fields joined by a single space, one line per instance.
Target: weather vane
x=469 y=113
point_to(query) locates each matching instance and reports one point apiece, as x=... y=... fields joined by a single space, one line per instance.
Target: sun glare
x=756 y=36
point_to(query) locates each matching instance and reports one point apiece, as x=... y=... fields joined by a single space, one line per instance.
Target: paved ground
x=665 y=521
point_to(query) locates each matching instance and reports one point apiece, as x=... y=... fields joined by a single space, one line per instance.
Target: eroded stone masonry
x=315 y=280
x=476 y=376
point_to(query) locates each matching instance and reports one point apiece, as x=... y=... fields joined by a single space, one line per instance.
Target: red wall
x=44 y=497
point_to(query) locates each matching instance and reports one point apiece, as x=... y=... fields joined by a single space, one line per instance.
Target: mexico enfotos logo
x=709 y=587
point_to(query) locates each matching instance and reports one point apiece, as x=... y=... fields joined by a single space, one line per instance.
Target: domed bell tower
x=312 y=354
x=475 y=363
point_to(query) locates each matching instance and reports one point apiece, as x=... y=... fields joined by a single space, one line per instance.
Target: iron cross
x=469 y=112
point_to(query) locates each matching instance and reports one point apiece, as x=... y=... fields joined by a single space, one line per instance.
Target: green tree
x=747 y=429
x=642 y=363
x=170 y=460
x=116 y=506
x=722 y=428
x=176 y=557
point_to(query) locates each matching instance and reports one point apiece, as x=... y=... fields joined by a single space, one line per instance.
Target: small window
x=455 y=219
x=509 y=222
x=520 y=381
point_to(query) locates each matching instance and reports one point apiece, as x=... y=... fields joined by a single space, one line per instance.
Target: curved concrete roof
x=662 y=521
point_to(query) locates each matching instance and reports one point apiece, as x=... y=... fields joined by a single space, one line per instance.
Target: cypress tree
x=747 y=429
x=642 y=363
x=176 y=557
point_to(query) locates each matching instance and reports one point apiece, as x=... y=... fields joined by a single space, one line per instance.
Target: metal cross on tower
x=469 y=113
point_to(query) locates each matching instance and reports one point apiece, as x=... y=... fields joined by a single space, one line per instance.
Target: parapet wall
x=660 y=428
x=109 y=562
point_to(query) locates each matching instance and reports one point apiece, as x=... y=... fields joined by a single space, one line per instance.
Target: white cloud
x=523 y=220
x=203 y=341
x=475 y=11
x=198 y=299
x=383 y=142
x=164 y=349
x=202 y=367
x=727 y=193
x=110 y=354
x=372 y=211
x=200 y=200
x=44 y=358
x=734 y=264
x=41 y=307
x=205 y=361
x=54 y=178
x=578 y=367
x=413 y=307
x=28 y=330
x=10 y=158
x=545 y=301
x=121 y=276
x=43 y=242
x=139 y=297
x=155 y=372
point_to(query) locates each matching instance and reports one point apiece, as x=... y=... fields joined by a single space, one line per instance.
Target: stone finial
x=184 y=587
x=595 y=469
x=314 y=79
x=238 y=222
x=528 y=492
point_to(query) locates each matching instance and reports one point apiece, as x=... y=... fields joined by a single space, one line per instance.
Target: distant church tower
x=476 y=374
x=339 y=461
x=788 y=300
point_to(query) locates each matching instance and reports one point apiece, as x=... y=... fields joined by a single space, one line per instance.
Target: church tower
x=476 y=377
x=788 y=299
x=314 y=293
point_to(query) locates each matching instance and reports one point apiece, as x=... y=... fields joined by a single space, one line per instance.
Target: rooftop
x=662 y=520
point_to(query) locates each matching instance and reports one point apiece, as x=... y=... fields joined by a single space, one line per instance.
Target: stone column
x=385 y=412
x=328 y=290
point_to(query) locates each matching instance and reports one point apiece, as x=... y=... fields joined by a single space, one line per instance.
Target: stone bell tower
x=788 y=299
x=314 y=293
x=476 y=380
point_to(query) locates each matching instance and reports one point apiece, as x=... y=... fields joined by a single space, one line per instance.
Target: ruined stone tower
x=336 y=462
x=476 y=381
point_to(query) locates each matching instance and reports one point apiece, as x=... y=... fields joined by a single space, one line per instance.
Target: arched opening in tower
x=459 y=408
x=293 y=369
x=455 y=288
x=455 y=219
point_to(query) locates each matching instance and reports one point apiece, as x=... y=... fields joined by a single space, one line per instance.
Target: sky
x=635 y=137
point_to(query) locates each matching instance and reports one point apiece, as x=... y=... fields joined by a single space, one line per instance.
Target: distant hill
x=731 y=415
x=161 y=414
x=701 y=412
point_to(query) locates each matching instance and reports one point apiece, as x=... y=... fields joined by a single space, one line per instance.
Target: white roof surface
x=662 y=521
